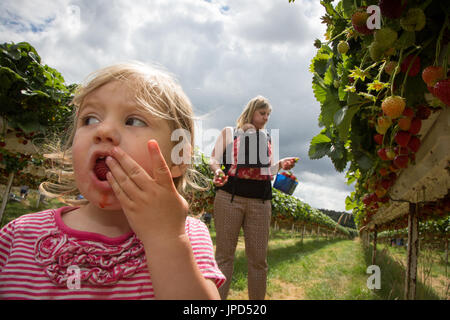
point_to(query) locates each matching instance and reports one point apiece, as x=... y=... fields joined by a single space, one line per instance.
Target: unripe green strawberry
x=414 y=20
x=336 y=83
x=383 y=124
x=376 y=51
x=385 y=37
x=393 y=106
x=343 y=47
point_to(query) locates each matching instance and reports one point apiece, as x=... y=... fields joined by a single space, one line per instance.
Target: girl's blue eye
x=135 y=122
x=90 y=120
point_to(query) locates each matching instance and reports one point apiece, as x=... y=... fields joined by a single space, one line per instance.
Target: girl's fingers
x=118 y=191
x=159 y=169
x=121 y=178
x=124 y=168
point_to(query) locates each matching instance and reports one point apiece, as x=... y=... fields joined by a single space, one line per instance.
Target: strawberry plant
x=34 y=102
x=374 y=94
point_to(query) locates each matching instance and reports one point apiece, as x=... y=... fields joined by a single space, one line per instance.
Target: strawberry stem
x=391 y=81
x=439 y=40
x=407 y=72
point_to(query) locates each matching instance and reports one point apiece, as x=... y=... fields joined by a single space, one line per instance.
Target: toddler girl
x=130 y=237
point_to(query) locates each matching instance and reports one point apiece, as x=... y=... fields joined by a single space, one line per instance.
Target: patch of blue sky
x=14 y=22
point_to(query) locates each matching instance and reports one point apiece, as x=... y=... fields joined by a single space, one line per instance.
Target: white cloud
x=224 y=52
x=322 y=191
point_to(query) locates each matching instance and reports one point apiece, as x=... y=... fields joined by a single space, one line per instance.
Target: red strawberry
x=404 y=123
x=442 y=91
x=423 y=112
x=414 y=144
x=383 y=172
x=402 y=138
x=382 y=154
x=416 y=124
x=401 y=161
x=392 y=8
x=415 y=67
x=359 y=22
x=101 y=169
x=378 y=138
x=408 y=112
x=367 y=199
x=385 y=183
x=401 y=150
x=432 y=74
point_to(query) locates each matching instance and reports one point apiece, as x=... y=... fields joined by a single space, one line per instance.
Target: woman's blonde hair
x=156 y=91
x=258 y=102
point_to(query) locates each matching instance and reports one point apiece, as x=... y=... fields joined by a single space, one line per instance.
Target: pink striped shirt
x=42 y=258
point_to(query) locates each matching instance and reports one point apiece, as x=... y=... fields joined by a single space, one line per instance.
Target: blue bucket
x=285 y=184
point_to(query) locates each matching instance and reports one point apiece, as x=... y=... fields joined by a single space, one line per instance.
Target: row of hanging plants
x=375 y=88
x=439 y=229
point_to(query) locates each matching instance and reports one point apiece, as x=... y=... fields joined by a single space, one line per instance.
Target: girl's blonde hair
x=258 y=102
x=156 y=91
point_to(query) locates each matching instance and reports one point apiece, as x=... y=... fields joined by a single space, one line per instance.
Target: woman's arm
x=285 y=164
x=225 y=138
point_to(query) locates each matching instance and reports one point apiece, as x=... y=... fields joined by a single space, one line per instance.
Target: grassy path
x=324 y=269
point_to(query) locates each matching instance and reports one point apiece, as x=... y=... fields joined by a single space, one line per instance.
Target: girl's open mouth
x=100 y=168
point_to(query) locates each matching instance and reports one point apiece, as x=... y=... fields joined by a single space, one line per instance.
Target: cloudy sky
x=223 y=52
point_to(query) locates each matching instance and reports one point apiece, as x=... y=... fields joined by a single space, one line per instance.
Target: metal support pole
x=413 y=245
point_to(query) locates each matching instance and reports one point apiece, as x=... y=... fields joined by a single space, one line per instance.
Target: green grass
x=16 y=209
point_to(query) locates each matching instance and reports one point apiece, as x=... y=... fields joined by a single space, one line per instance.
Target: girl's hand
x=288 y=163
x=154 y=208
x=220 y=178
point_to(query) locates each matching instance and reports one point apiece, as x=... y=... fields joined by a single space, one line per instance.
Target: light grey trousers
x=254 y=217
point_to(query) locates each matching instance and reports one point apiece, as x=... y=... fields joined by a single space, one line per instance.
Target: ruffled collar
x=101 y=260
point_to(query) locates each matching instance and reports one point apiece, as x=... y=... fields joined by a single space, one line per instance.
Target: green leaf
x=347 y=5
x=349 y=204
x=343 y=119
x=364 y=162
x=319 y=150
x=319 y=64
x=353 y=98
x=320 y=138
x=328 y=98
